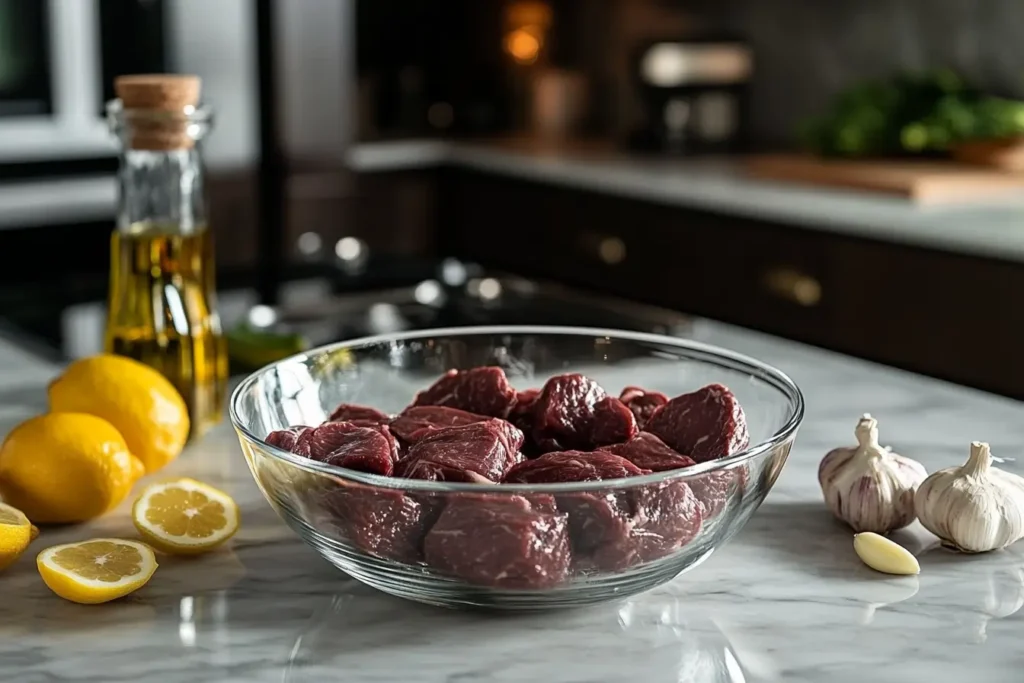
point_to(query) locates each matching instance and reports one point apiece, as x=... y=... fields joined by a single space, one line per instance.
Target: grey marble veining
x=785 y=600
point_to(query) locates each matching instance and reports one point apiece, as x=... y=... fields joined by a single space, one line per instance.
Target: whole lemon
x=140 y=402
x=65 y=467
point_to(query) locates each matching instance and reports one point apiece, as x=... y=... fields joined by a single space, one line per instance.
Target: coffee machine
x=694 y=95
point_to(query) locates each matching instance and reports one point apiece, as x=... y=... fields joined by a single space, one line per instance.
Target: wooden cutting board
x=926 y=182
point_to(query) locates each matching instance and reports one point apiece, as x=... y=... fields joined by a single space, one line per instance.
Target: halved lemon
x=15 y=534
x=98 y=570
x=185 y=516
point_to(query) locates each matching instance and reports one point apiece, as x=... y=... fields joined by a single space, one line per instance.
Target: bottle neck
x=161 y=190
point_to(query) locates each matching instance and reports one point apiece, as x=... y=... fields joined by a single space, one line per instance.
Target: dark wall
x=807 y=50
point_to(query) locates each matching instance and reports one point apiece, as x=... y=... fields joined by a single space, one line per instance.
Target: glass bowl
x=521 y=546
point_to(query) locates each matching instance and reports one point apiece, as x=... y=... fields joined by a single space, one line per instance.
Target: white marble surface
x=994 y=228
x=786 y=600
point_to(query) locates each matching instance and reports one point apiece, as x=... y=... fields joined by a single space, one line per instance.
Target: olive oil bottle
x=162 y=302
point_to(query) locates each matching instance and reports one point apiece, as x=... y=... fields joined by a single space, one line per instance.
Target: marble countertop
x=785 y=600
x=994 y=228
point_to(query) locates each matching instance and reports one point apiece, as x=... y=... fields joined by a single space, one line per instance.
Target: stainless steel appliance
x=694 y=95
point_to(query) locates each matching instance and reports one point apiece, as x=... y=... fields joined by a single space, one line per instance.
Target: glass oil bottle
x=161 y=305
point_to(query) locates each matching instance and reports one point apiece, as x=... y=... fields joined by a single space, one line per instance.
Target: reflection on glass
x=655 y=638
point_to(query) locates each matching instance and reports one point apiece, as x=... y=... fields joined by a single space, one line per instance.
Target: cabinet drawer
x=936 y=313
x=575 y=237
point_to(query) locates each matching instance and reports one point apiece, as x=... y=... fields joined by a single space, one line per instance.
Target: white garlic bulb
x=868 y=487
x=975 y=507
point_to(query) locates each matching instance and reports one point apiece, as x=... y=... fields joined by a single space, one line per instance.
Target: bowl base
x=421 y=584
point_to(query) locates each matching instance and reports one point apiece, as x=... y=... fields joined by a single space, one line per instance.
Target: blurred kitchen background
x=387 y=164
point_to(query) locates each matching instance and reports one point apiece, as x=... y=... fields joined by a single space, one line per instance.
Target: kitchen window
x=57 y=60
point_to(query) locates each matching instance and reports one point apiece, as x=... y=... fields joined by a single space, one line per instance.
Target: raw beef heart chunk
x=416 y=422
x=361 y=415
x=648 y=452
x=573 y=412
x=521 y=414
x=285 y=439
x=500 y=541
x=484 y=391
x=664 y=517
x=594 y=519
x=367 y=449
x=712 y=490
x=706 y=424
x=480 y=452
x=643 y=403
x=613 y=422
x=383 y=522
x=566 y=466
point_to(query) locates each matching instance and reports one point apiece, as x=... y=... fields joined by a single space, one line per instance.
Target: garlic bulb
x=975 y=507
x=868 y=487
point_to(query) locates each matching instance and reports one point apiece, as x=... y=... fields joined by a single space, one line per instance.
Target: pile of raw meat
x=472 y=426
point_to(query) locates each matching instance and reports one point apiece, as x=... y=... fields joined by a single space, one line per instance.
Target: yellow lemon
x=140 y=402
x=65 y=467
x=98 y=570
x=185 y=516
x=15 y=534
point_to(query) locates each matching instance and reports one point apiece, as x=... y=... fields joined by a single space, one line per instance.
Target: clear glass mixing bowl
x=375 y=528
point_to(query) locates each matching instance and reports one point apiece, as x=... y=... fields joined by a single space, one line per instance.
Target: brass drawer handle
x=793 y=286
x=609 y=250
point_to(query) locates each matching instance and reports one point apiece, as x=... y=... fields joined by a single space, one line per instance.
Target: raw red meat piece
x=648 y=452
x=521 y=414
x=564 y=466
x=365 y=450
x=361 y=415
x=663 y=518
x=321 y=443
x=285 y=438
x=714 y=488
x=417 y=421
x=500 y=541
x=613 y=422
x=572 y=412
x=484 y=391
x=383 y=522
x=643 y=403
x=594 y=519
x=706 y=424
x=480 y=452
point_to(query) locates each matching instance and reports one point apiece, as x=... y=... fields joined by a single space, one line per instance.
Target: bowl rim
x=705 y=352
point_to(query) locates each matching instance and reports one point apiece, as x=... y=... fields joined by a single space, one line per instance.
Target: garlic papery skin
x=973 y=508
x=868 y=487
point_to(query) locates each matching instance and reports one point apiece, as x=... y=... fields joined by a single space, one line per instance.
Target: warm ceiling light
x=523 y=45
x=522 y=13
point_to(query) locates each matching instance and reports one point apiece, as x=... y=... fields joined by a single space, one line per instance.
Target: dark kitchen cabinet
x=390 y=212
x=928 y=311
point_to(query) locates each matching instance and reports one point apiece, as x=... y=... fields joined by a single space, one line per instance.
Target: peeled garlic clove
x=883 y=555
x=868 y=487
x=973 y=508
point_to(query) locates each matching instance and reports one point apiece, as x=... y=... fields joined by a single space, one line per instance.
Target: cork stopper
x=157 y=109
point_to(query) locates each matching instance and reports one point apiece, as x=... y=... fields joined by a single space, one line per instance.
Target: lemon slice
x=95 y=571
x=15 y=534
x=185 y=516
